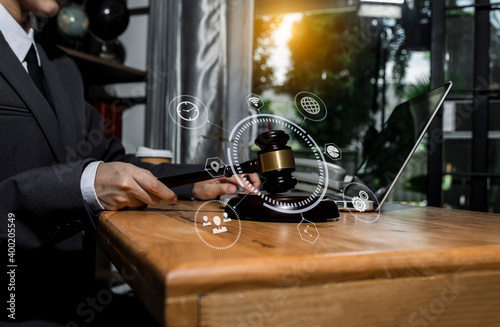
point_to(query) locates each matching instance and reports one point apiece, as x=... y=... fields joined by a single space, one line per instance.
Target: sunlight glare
x=280 y=54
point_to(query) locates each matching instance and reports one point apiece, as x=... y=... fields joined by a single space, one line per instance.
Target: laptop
x=390 y=152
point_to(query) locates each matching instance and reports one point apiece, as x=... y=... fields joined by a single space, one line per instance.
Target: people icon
x=226 y=218
x=218 y=229
x=206 y=223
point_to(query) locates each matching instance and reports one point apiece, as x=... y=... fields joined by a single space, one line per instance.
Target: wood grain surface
x=353 y=274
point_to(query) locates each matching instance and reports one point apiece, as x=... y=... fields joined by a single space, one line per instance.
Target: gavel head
x=276 y=161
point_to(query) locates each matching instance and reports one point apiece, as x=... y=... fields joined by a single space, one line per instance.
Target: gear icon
x=359 y=204
x=363 y=195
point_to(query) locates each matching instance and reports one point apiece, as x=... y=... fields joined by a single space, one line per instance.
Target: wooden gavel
x=275 y=163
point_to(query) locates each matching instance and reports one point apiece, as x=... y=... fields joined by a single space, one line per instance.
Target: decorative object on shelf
x=111 y=50
x=72 y=26
x=72 y=22
x=108 y=19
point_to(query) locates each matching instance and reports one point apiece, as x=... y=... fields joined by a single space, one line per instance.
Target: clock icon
x=188 y=111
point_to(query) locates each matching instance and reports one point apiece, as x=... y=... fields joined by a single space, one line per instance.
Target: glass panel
x=330 y=55
x=457 y=116
x=455 y=3
x=456 y=192
x=493 y=156
x=494 y=195
x=495 y=49
x=457 y=155
x=458 y=65
x=494 y=137
x=494 y=116
x=360 y=67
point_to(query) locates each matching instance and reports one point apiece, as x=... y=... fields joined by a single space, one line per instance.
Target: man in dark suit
x=58 y=172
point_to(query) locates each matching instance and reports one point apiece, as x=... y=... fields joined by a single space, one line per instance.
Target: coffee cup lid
x=143 y=151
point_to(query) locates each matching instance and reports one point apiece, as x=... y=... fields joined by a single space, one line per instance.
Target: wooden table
x=412 y=267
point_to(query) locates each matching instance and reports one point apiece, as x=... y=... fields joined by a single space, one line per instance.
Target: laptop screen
x=388 y=155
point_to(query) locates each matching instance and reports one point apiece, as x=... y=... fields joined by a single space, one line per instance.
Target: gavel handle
x=191 y=178
x=200 y=176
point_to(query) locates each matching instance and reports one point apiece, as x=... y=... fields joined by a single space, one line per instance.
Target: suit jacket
x=43 y=151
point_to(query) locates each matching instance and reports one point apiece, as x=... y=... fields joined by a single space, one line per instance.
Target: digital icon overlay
x=206 y=221
x=333 y=151
x=310 y=106
x=360 y=194
x=215 y=167
x=254 y=101
x=188 y=112
x=308 y=231
x=359 y=202
x=238 y=139
x=217 y=221
x=214 y=228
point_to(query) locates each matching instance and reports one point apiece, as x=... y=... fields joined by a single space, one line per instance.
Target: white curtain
x=203 y=49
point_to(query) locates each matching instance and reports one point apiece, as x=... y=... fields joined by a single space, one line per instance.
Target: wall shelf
x=98 y=71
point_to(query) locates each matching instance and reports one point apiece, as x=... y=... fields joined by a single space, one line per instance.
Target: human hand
x=119 y=185
x=213 y=188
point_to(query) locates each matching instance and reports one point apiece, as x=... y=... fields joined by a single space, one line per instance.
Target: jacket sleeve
x=109 y=150
x=46 y=203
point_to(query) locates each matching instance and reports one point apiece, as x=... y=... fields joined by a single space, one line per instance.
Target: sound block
x=251 y=207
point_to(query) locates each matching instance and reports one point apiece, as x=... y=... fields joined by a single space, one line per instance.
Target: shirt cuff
x=88 y=188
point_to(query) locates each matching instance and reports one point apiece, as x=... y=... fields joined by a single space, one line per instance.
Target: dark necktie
x=35 y=71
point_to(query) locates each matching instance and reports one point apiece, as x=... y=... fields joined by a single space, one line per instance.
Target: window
x=471 y=121
x=360 y=62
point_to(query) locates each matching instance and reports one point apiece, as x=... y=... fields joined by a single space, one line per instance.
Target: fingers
x=250 y=182
x=151 y=191
x=119 y=185
x=254 y=179
x=213 y=188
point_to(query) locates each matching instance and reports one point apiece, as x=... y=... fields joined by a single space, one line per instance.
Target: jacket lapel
x=18 y=78
x=61 y=102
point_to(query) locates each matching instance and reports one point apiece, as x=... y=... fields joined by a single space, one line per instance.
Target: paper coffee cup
x=154 y=156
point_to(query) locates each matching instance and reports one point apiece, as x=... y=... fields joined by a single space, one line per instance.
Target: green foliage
x=421 y=86
x=334 y=58
x=400 y=58
x=262 y=43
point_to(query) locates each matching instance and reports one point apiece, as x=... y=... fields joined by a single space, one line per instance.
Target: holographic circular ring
x=287 y=208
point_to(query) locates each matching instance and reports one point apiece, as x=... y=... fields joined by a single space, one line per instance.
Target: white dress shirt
x=20 y=42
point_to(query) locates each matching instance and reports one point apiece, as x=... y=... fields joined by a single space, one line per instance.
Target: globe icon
x=310 y=105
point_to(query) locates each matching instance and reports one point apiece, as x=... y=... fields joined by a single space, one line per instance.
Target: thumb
x=227 y=188
x=211 y=189
x=215 y=190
